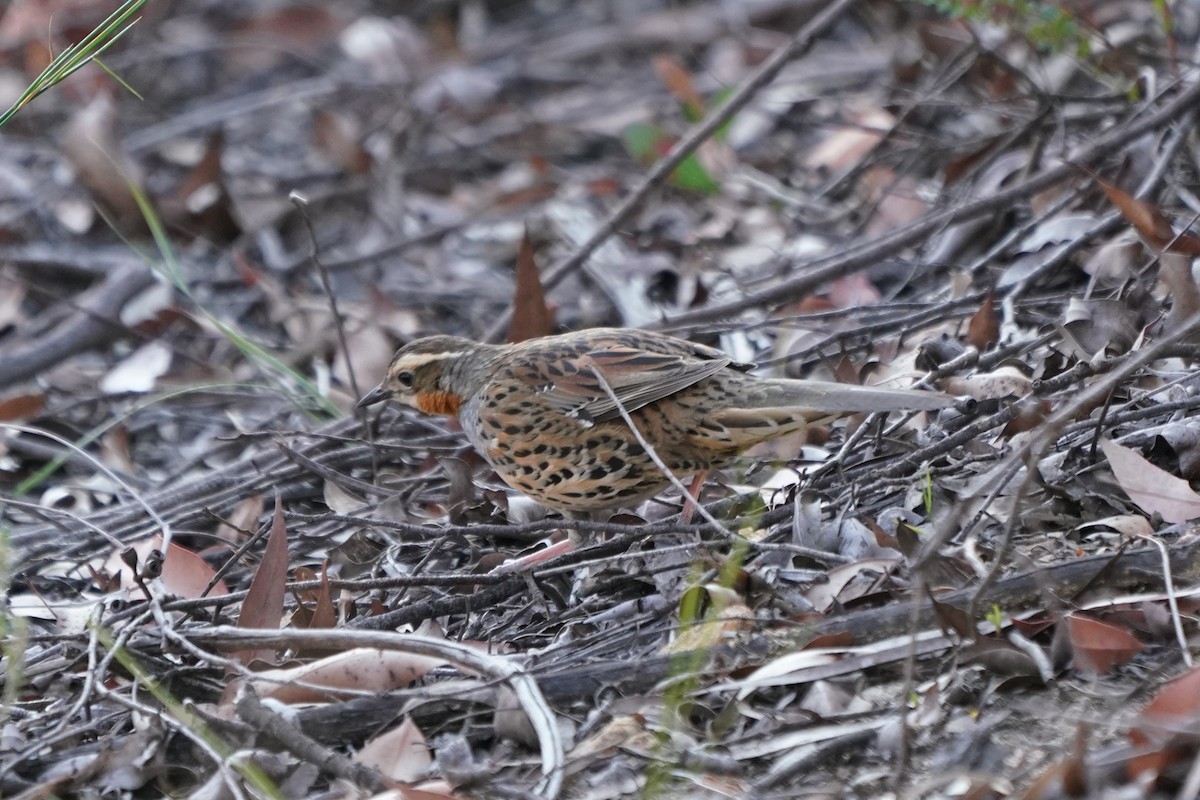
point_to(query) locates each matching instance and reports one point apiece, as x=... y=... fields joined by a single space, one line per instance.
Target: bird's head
x=430 y=374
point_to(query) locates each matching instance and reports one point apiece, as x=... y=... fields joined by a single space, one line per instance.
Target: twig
x=810 y=276
x=211 y=115
x=1031 y=449
x=301 y=205
x=700 y=133
x=267 y=722
x=466 y=658
x=1172 y=599
x=163 y=525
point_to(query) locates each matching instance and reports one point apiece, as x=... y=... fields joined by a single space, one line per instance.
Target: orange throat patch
x=439 y=403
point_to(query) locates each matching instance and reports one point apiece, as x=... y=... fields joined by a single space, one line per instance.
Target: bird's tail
x=771 y=408
x=845 y=398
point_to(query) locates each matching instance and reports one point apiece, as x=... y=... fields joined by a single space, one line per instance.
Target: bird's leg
x=532 y=560
x=559 y=548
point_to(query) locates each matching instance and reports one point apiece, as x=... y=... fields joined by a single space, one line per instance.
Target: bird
x=546 y=413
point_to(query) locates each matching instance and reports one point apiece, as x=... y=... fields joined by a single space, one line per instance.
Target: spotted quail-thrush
x=539 y=412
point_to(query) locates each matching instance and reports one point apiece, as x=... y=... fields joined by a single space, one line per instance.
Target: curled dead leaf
x=363 y=669
x=995 y=385
x=1100 y=326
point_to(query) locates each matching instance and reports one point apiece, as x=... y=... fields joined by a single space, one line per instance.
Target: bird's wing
x=636 y=376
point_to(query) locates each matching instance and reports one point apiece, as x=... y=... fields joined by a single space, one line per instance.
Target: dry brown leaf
x=29 y=20
x=362 y=669
x=463 y=494
x=21 y=406
x=1097 y=647
x=325 y=614
x=153 y=309
x=295 y=27
x=242 y=520
x=895 y=200
x=338 y=137
x=1184 y=439
x=626 y=731
x=388 y=49
x=827 y=699
x=824 y=595
x=401 y=322
x=1175 y=271
x=371 y=351
x=1150 y=221
x=12 y=300
x=996 y=385
x=204 y=175
x=846 y=147
x=116 y=767
x=1153 y=490
x=1166 y=724
x=92 y=145
x=679 y=83
x=340 y=500
x=1031 y=412
x=200 y=203
x=1065 y=777
x=426 y=790
x=400 y=754
x=794 y=667
x=184 y=573
x=1001 y=657
x=531 y=316
x=114 y=450
x=188 y=575
x=983 y=330
x=1059 y=229
x=953 y=619
x=852 y=291
x=263 y=606
x=1114 y=261
x=1128 y=524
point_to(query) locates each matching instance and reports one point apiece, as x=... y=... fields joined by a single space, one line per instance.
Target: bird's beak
x=376 y=395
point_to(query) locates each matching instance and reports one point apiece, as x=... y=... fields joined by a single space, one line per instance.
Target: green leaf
x=692 y=175
x=648 y=143
x=642 y=141
x=78 y=55
x=996 y=618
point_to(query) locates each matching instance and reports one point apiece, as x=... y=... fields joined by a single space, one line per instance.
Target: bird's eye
x=405 y=379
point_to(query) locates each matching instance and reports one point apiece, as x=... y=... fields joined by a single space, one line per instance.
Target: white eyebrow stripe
x=420 y=359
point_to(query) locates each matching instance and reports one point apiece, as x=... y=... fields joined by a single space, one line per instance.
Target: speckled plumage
x=539 y=414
